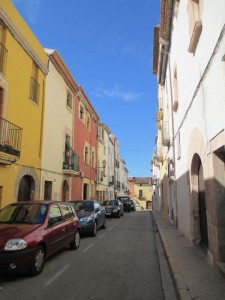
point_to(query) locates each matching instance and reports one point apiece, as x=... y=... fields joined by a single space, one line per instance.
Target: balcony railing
x=3 y=58
x=71 y=161
x=111 y=180
x=10 y=138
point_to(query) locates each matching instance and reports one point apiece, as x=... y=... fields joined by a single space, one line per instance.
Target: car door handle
x=63 y=229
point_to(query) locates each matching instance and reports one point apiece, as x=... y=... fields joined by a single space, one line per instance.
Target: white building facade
x=190 y=55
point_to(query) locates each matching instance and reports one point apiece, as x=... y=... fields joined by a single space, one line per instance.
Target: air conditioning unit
x=81 y=174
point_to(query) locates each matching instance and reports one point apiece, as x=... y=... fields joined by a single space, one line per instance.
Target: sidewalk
x=194 y=277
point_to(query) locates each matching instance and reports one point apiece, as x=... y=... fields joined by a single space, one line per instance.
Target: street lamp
x=104 y=163
x=103 y=167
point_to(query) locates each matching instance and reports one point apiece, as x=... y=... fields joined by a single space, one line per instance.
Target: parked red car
x=32 y=231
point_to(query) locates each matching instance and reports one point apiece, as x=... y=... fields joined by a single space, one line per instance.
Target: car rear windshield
x=83 y=205
x=24 y=213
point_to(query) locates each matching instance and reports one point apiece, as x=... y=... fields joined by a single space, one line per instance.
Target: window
x=88 y=123
x=34 y=85
x=140 y=193
x=3 y=51
x=92 y=158
x=176 y=8
x=69 y=99
x=55 y=214
x=175 y=91
x=195 y=8
x=67 y=211
x=81 y=112
x=86 y=154
x=48 y=190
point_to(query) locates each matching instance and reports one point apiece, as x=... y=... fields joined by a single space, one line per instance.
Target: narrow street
x=121 y=262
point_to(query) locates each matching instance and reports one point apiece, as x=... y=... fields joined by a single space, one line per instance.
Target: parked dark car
x=91 y=215
x=113 y=208
x=32 y=231
x=126 y=202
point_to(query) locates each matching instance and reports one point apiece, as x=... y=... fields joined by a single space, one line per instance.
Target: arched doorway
x=202 y=209
x=65 y=191
x=198 y=205
x=26 y=189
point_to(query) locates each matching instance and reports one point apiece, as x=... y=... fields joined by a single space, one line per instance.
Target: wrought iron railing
x=71 y=161
x=3 y=58
x=10 y=138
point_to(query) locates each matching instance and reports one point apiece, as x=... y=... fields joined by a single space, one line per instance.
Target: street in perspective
x=120 y=262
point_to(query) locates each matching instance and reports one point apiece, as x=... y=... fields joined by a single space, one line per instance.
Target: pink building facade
x=86 y=123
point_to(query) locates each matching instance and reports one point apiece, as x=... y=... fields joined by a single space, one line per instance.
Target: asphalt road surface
x=121 y=262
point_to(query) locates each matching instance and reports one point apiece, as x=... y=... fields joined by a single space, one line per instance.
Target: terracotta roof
x=139 y=180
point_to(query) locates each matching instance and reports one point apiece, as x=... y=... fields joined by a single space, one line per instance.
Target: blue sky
x=107 y=46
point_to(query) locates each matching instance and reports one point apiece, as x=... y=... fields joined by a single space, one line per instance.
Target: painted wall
x=85 y=136
x=58 y=122
x=19 y=109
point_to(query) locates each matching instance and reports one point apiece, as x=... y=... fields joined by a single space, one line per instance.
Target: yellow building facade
x=141 y=191
x=23 y=69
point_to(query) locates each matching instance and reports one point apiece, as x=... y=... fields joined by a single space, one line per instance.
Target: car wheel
x=104 y=224
x=94 y=231
x=119 y=214
x=38 y=261
x=75 y=244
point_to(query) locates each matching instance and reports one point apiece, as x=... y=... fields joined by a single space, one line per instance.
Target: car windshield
x=112 y=202
x=23 y=213
x=124 y=199
x=83 y=205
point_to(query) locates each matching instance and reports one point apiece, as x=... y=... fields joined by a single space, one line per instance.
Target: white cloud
x=116 y=93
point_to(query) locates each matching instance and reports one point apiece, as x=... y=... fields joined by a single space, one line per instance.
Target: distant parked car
x=91 y=215
x=113 y=208
x=32 y=231
x=126 y=202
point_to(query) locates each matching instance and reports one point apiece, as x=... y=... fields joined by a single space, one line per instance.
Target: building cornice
x=84 y=99
x=61 y=67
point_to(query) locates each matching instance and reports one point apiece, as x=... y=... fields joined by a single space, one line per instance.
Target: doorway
x=65 y=191
x=26 y=189
x=202 y=209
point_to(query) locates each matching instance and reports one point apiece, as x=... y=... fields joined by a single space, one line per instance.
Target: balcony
x=3 y=58
x=111 y=180
x=159 y=152
x=71 y=161
x=10 y=141
x=160 y=109
x=165 y=134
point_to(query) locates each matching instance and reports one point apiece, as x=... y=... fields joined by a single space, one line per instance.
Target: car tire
x=104 y=224
x=75 y=244
x=94 y=231
x=38 y=261
x=119 y=214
